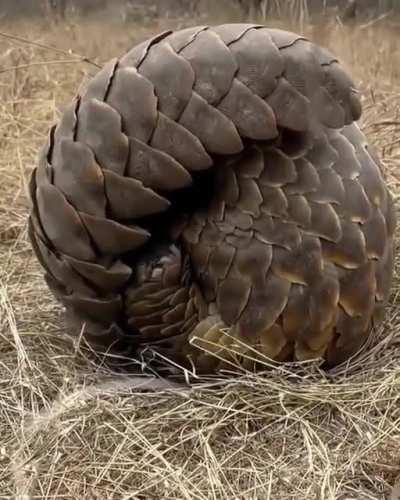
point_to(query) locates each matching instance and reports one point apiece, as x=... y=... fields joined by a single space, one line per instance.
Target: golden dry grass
x=71 y=428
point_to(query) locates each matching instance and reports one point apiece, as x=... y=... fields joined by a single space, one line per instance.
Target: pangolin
x=209 y=197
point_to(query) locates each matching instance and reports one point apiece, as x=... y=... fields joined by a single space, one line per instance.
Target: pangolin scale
x=210 y=197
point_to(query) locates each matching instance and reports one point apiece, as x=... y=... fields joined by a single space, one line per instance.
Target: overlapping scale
x=238 y=143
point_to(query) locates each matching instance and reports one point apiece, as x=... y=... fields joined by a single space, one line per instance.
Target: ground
x=71 y=428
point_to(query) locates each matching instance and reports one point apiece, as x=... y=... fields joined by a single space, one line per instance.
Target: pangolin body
x=210 y=196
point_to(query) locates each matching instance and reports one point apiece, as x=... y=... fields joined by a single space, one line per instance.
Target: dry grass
x=70 y=428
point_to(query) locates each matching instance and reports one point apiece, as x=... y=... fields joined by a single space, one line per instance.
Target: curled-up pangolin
x=211 y=191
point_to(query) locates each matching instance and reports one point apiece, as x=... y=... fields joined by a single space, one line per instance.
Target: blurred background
x=133 y=10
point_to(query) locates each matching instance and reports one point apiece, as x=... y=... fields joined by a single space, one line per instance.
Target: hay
x=71 y=428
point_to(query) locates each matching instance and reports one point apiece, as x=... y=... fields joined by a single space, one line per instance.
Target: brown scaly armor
x=214 y=180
